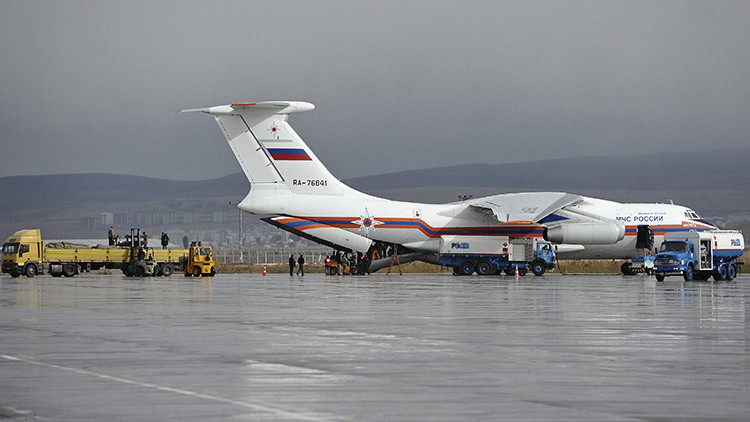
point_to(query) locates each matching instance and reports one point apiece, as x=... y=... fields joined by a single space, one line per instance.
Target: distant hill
x=65 y=190
x=716 y=185
x=691 y=170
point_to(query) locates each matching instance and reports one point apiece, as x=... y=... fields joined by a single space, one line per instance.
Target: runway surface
x=379 y=348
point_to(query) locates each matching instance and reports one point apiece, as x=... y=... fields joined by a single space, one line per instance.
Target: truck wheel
x=140 y=271
x=689 y=273
x=660 y=277
x=69 y=271
x=522 y=271
x=30 y=270
x=731 y=272
x=167 y=270
x=538 y=267
x=196 y=271
x=467 y=268
x=484 y=268
x=212 y=273
x=15 y=274
x=723 y=272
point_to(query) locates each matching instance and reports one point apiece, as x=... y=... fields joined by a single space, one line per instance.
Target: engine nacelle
x=586 y=233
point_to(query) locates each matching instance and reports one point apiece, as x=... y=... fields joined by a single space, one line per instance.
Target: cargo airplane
x=289 y=183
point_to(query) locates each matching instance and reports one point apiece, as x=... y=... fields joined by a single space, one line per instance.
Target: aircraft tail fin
x=270 y=152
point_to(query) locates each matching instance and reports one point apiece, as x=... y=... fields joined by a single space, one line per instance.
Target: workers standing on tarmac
x=145 y=240
x=328 y=264
x=301 y=262
x=111 y=235
x=343 y=263
x=164 y=240
x=291 y=264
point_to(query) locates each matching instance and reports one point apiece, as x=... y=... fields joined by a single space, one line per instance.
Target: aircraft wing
x=569 y=224
x=526 y=206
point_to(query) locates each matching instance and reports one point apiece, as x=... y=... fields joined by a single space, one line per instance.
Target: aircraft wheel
x=625 y=269
x=467 y=268
x=484 y=268
x=538 y=267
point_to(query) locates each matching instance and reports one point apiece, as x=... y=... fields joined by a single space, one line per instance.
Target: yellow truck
x=24 y=252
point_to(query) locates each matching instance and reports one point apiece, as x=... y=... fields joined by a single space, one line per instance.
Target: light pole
x=239 y=213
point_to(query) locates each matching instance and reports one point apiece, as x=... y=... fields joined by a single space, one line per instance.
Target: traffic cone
x=516 y=270
x=264 y=271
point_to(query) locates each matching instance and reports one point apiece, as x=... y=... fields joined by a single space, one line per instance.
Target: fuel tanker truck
x=700 y=255
x=24 y=252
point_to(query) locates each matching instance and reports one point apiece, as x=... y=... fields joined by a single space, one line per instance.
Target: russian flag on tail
x=289 y=154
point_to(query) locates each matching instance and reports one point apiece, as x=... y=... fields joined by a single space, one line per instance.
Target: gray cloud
x=95 y=86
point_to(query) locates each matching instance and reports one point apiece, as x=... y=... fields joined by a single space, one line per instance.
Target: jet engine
x=599 y=233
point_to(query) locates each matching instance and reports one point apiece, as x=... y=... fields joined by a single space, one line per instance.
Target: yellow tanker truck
x=24 y=252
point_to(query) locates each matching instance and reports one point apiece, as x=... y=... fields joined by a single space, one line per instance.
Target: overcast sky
x=94 y=86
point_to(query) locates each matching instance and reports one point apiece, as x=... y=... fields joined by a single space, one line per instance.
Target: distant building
x=106 y=219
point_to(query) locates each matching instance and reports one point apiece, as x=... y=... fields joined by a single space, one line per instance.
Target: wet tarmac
x=379 y=348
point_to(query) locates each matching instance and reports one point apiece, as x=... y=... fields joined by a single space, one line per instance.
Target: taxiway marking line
x=269 y=408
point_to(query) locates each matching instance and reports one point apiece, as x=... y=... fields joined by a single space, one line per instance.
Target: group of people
x=113 y=238
x=342 y=263
x=292 y=263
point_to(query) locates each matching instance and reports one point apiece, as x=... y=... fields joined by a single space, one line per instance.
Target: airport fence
x=264 y=256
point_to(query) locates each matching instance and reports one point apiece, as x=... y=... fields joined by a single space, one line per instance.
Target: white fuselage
x=419 y=226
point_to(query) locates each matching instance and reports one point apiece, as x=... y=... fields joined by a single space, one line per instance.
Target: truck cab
x=22 y=253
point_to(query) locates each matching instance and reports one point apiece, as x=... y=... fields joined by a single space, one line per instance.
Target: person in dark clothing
x=164 y=240
x=301 y=262
x=291 y=264
x=111 y=235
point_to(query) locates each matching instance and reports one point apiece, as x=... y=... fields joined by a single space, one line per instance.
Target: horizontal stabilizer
x=268 y=108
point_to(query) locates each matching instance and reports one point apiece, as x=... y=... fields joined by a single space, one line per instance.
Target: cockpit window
x=692 y=215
